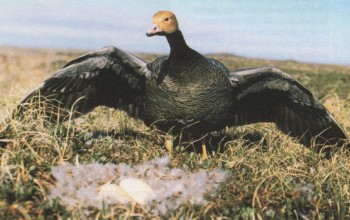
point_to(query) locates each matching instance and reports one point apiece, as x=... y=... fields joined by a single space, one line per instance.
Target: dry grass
x=274 y=177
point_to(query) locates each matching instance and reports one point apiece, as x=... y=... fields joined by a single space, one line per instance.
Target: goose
x=187 y=92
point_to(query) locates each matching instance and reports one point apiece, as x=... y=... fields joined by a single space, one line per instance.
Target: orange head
x=164 y=22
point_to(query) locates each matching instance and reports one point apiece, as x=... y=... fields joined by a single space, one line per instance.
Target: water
x=312 y=31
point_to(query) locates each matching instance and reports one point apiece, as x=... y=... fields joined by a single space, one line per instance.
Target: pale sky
x=303 y=30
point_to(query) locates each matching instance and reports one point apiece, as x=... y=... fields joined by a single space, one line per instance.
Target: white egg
x=138 y=190
x=112 y=193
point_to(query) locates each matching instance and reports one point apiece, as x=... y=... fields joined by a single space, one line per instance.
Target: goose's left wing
x=267 y=94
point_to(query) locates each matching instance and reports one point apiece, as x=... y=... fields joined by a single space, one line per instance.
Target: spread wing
x=269 y=95
x=108 y=77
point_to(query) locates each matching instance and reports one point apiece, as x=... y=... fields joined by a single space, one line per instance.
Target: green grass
x=269 y=176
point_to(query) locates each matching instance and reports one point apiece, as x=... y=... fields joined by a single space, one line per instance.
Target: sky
x=315 y=31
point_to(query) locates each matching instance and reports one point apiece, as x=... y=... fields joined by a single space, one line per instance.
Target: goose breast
x=190 y=93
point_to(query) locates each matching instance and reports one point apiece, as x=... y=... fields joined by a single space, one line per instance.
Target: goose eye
x=166 y=19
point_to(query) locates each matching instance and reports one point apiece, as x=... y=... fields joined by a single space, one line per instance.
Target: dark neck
x=178 y=47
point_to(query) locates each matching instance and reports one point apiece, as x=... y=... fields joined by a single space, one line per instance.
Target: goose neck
x=178 y=46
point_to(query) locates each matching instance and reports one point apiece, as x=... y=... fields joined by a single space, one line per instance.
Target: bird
x=186 y=92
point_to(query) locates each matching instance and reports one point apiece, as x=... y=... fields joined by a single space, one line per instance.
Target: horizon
x=312 y=31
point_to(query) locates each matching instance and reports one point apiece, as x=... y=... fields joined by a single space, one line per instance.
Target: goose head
x=164 y=23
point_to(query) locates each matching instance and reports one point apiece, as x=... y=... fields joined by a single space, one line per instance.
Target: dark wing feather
x=269 y=95
x=108 y=77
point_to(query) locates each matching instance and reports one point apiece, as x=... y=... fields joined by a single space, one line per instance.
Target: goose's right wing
x=269 y=95
x=108 y=77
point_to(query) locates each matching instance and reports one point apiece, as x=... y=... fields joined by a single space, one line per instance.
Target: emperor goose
x=187 y=92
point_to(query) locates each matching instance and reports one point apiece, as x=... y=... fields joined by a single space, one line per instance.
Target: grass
x=272 y=178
